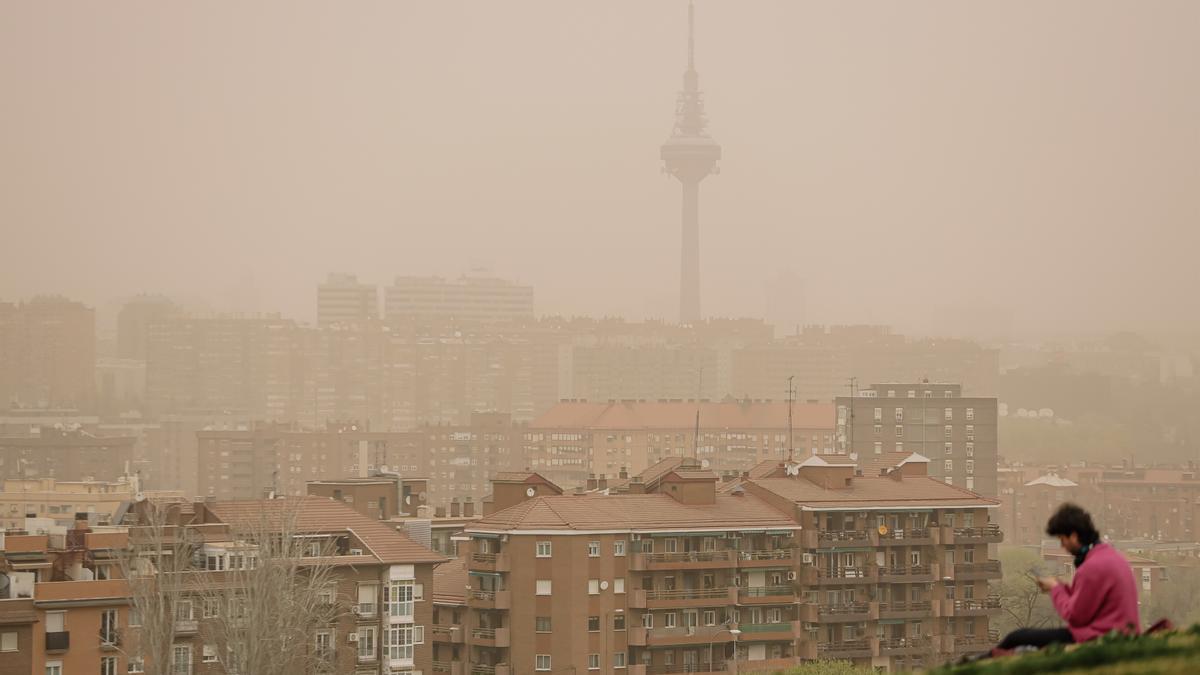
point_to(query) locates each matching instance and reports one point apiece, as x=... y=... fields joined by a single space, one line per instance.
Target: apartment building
x=341 y=299
x=47 y=354
x=674 y=571
x=62 y=501
x=468 y=298
x=66 y=454
x=379 y=577
x=883 y=424
x=63 y=607
x=576 y=440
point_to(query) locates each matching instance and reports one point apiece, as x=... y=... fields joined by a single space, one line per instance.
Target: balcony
x=689 y=560
x=845 y=649
x=847 y=612
x=904 y=646
x=489 y=599
x=58 y=642
x=484 y=669
x=971 y=607
x=701 y=668
x=846 y=575
x=447 y=634
x=960 y=644
x=490 y=637
x=752 y=632
x=988 y=534
x=679 y=635
x=491 y=562
x=977 y=571
x=778 y=557
x=905 y=610
x=916 y=536
x=187 y=626
x=449 y=667
x=667 y=599
x=365 y=610
x=842 y=538
x=766 y=595
x=906 y=574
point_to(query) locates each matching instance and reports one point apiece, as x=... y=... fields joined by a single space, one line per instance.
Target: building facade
x=47 y=354
x=468 y=298
x=341 y=299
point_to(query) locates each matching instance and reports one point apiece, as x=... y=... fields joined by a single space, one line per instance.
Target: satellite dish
x=529 y=492
x=604 y=585
x=407 y=499
x=883 y=530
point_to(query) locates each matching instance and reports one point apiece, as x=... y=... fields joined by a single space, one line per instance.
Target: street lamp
x=713 y=638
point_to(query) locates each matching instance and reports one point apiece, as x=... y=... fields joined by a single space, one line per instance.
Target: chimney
x=624 y=473
x=579 y=490
x=591 y=482
x=439 y=512
x=602 y=483
x=636 y=486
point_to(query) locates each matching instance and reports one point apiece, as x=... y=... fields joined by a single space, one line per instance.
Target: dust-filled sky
x=943 y=166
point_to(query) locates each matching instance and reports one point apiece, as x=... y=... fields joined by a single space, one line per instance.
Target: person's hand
x=1047 y=583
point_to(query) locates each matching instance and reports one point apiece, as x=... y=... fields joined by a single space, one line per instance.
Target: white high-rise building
x=341 y=299
x=468 y=298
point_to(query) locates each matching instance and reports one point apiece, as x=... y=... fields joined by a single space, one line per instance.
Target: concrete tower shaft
x=690 y=155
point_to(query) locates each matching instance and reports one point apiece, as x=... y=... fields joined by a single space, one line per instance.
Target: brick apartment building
x=674 y=571
x=883 y=424
x=66 y=454
x=578 y=439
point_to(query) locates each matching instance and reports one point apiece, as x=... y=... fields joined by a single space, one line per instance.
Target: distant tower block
x=690 y=155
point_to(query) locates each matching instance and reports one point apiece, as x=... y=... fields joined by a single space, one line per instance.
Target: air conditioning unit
x=806 y=558
x=791 y=576
x=353 y=638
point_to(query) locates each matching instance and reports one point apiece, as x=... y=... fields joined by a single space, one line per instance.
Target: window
x=367 y=596
x=970 y=414
x=399 y=638
x=543 y=549
x=619 y=660
x=669 y=620
x=951 y=589
x=208 y=654
x=968 y=555
x=8 y=642
x=879 y=447
x=181 y=660
x=970 y=466
x=775 y=615
x=970 y=449
x=137 y=664
x=878 y=414
x=899 y=446
x=710 y=617
x=398 y=596
x=619 y=548
x=949 y=466
x=366 y=643
x=55 y=668
x=211 y=608
x=899 y=431
x=541 y=662
x=948 y=480
x=544 y=587
x=912 y=393
x=914 y=558
x=108 y=626
x=878 y=429
x=948 y=414
x=323 y=644
x=619 y=622
x=970 y=482
x=593 y=624
x=648 y=620
x=970 y=432
x=949 y=448
x=619 y=585
x=108 y=665
x=593 y=662
x=541 y=624
x=948 y=431
x=183 y=610
x=899 y=414
x=593 y=549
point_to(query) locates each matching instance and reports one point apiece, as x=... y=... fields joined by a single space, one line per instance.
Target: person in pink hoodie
x=1102 y=597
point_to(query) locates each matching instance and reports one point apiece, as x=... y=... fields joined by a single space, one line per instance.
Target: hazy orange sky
x=1038 y=160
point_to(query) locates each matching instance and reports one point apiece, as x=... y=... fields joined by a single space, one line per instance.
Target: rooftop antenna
x=791 y=392
x=696 y=436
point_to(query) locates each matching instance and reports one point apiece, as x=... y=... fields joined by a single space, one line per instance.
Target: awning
x=484 y=535
x=483 y=574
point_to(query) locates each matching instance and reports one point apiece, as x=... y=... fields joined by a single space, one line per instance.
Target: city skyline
x=895 y=183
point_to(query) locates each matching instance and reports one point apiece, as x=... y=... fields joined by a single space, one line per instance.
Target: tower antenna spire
x=691 y=35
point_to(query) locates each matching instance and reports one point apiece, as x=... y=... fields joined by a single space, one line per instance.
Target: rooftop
x=682 y=415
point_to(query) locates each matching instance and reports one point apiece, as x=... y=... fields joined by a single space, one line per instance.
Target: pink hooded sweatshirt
x=1101 y=597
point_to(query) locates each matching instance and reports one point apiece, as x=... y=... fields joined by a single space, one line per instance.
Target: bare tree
x=1022 y=603
x=255 y=591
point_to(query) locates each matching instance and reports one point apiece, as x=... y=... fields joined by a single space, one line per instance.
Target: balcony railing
x=689 y=557
x=484 y=633
x=905 y=570
x=897 y=644
x=843 y=646
x=486 y=558
x=58 y=641
x=768 y=554
x=991 y=531
x=714 y=667
x=442 y=666
x=990 y=567
x=846 y=608
x=366 y=608
x=765 y=591
x=109 y=639
x=835 y=536
x=904 y=606
x=900 y=534
x=688 y=594
x=764 y=627
x=990 y=602
x=845 y=572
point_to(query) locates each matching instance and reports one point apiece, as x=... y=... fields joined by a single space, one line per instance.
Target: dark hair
x=1072 y=519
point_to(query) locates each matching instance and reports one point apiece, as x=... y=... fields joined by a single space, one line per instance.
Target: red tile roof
x=644 y=512
x=324 y=515
x=874 y=491
x=682 y=415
